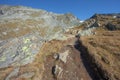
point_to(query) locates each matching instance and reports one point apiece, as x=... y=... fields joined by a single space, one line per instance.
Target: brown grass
x=36 y=14
x=37 y=66
x=105 y=47
x=52 y=47
x=23 y=26
x=4 y=72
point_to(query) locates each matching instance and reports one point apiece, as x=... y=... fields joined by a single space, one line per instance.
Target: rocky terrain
x=101 y=47
x=23 y=30
x=40 y=45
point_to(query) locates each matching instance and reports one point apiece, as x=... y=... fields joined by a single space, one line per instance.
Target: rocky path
x=75 y=67
x=72 y=62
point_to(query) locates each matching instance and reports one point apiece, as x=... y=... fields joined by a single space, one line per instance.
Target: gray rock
x=27 y=75
x=56 y=71
x=86 y=32
x=110 y=26
x=56 y=56
x=63 y=56
x=13 y=73
x=19 y=51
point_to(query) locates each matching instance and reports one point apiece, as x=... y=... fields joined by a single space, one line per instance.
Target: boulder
x=63 y=56
x=111 y=27
x=56 y=71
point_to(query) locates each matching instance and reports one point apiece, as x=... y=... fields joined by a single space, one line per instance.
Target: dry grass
x=4 y=72
x=42 y=30
x=36 y=14
x=56 y=29
x=13 y=34
x=52 y=47
x=75 y=30
x=23 y=26
x=9 y=28
x=33 y=22
x=37 y=66
x=105 y=47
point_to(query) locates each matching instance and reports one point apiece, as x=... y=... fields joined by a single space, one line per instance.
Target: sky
x=82 y=9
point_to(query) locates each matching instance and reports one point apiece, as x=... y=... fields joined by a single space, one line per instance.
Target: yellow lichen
x=3 y=58
x=25 y=49
x=26 y=40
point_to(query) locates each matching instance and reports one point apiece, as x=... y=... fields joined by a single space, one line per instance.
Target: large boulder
x=112 y=27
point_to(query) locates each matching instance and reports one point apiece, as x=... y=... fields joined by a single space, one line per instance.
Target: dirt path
x=87 y=61
x=77 y=66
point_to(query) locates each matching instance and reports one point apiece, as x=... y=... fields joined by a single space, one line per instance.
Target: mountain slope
x=101 y=44
x=23 y=30
x=40 y=45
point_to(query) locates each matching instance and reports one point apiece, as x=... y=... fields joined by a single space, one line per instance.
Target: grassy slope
x=105 y=48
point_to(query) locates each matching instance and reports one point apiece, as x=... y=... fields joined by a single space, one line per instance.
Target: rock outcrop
x=108 y=20
x=23 y=30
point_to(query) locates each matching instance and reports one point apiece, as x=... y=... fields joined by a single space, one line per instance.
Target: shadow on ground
x=89 y=62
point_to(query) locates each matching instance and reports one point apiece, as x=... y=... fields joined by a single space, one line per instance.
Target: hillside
x=23 y=30
x=40 y=45
x=99 y=42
